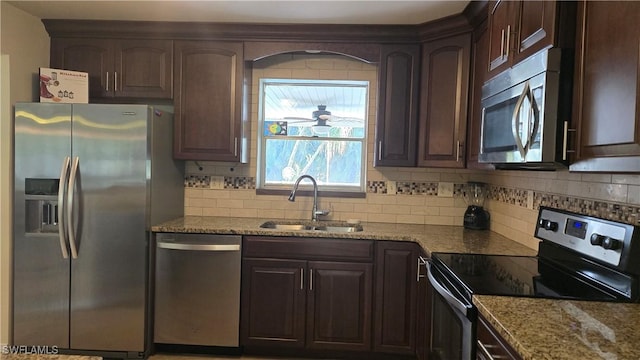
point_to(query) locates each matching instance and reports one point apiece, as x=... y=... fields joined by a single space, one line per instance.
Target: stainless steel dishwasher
x=197 y=289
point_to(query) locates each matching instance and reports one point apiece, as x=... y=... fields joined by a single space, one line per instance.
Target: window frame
x=347 y=191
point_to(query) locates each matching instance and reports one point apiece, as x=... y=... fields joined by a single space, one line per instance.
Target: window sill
x=335 y=194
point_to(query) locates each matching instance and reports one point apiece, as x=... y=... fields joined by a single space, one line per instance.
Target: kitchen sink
x=311 y=226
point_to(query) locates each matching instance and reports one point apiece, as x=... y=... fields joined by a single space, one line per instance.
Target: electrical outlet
x=445 y=189
x=217 y=183
x=392 y=188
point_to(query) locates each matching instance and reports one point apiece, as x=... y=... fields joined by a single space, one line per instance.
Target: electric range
x=579 y=257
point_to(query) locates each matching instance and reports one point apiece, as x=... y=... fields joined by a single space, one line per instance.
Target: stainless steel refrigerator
x=89 y=182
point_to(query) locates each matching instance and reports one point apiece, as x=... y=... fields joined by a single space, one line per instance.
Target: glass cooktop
x=528 y=276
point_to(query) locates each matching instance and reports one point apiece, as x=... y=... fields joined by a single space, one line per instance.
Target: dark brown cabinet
x=339 y=305
x=307 y=293
x=275 y=299
x=423 y=310
x=209 y=83
x=479 y=50
x=490 y=345
x=397 y=121
x=118 y=68
x=501 y=21
x=606 y=91
x=443 y=102
x=396 y=295
x=519 y=29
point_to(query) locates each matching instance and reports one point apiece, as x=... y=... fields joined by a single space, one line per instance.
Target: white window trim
x=261 y=143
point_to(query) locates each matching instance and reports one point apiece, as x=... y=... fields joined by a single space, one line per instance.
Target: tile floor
x=213 y=357
x=153 y=357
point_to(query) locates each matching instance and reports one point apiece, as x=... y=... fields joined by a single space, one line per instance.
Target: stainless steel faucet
x=314 y=212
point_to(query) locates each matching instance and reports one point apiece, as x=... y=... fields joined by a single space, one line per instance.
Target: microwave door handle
x=534 y=118
x=515 y=124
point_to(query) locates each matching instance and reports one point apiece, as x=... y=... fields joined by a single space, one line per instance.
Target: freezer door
x=40 y=272
x=110 y=202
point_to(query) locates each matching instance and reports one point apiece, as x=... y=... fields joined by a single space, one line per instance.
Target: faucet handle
x=322 y=212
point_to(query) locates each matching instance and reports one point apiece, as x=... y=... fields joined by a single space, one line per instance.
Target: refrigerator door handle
x=70 y=192
x=64 y=173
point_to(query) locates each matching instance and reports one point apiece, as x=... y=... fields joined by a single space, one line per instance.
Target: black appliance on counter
x=580 y=257
x=475 y=217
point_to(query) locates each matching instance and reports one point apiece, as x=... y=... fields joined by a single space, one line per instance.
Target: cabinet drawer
x=308 y=248
x=493 y=345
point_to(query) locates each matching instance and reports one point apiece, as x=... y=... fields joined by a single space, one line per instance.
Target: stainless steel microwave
x=526 y=113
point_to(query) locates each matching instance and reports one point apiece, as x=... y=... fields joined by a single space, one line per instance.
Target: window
x=314 y=127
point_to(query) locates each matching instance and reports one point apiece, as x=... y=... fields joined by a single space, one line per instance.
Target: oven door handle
x=447 y=295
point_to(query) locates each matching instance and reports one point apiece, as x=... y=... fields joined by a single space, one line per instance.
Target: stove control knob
x=597 y=239
x=611 y=243
x=548 y=225
x=606 y=242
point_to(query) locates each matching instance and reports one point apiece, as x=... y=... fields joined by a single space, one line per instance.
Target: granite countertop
x=432 y=238
x=538 y=329
x=562 y=329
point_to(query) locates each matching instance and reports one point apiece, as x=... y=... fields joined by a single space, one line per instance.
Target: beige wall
x=24 y=46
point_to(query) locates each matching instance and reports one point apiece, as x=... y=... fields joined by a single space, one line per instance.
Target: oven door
x=452 y=319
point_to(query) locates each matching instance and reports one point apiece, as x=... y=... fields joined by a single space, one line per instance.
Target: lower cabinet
x=307 y=293
x=273 y=302
x=397 y=277
x=346 y=298
x=339 y=306
x=490 y=345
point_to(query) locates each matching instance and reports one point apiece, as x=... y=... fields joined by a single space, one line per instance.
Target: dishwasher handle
x=197 y=246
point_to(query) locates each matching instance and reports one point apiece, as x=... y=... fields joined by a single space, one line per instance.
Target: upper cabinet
x=443 y=102
x=397 y=122
x=118 y=68
x=606 y=92
x=209 y=85
x=479 y=53
x=518 y=29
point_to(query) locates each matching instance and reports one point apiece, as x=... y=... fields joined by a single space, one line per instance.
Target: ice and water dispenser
x=41 y=205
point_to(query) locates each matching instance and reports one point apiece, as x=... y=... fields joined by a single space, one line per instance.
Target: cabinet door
x=423 y=312
x=443 y=104
x=536 y=28
x=94 y=56
x=396 y=286
x=606 y=95
x=397 y=122
x=339 y=306
x=273 y=303
x=480 y=48
x=143 y=68
x=500 y=28
x=208 y=78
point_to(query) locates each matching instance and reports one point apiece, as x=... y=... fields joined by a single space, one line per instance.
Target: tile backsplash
x=524 y=198
x=513 y=208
